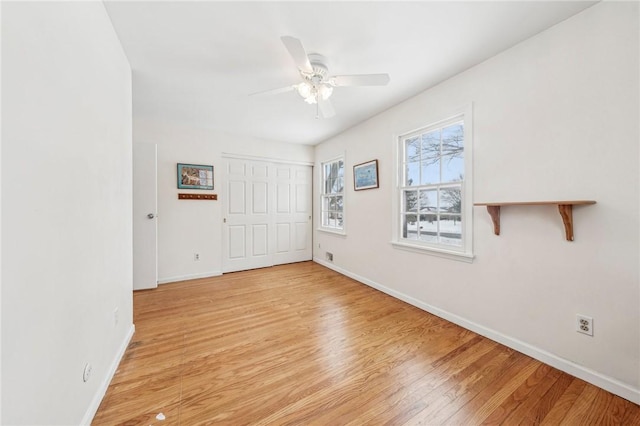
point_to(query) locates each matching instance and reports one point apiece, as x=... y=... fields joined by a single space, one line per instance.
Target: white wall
x=555 y=117
x=66 y=219
x=186 y=227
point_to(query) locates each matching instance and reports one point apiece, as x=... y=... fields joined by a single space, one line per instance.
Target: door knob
x=151 y=215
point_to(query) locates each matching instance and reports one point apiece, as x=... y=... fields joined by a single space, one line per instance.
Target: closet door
x=293 y=226
x=247 y=218
x=267 y=214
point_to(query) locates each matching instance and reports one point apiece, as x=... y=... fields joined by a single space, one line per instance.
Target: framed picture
x=195 y=176
x=365 y=175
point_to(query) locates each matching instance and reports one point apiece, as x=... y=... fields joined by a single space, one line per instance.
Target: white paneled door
x=145 y=227
x=267 y=214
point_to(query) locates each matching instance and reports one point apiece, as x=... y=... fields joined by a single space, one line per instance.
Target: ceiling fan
x=317 y=86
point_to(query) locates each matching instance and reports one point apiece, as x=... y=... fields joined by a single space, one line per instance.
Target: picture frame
x=365 y=175
x=195 y=176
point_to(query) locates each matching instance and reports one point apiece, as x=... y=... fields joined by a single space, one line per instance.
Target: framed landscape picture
x=195 y=176
x=365 y=175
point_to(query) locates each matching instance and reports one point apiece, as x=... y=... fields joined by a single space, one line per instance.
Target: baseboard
x=595 y=378
x=102 y=389
x=189 y=277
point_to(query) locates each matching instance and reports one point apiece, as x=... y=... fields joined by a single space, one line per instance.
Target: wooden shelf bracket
x=494 y=212
x=564 y=207
x=566 y=211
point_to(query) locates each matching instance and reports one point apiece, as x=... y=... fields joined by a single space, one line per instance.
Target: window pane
x=412 y=177
x=325 y=218
x=430 y=172
x=332 y=204
x=339 y=219
x=452 y=169
x=428 y=201
x=410 y=227
x=325 y=204
x=450 y=200
x=411 y=201
x=453 y=153
x=428 y=228
x=430 y=157
x=339 y=203
x=431 y=146
x=412 y=149
x=450 y=230
x=339 y=184
x=334 y=171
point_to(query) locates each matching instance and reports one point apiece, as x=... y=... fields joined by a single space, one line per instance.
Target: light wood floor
x=300 y=344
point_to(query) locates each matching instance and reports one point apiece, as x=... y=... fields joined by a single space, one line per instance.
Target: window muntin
x=332 y=197
x=432 y=186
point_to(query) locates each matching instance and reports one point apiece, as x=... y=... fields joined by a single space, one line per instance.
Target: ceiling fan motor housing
x=320 y=70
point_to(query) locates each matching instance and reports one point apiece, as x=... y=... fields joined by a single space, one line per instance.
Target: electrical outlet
x=196 y=256
x=116 y=316
x=584 y=324
x=329 y=256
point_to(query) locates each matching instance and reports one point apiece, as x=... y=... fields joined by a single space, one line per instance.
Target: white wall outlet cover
x=584 y=324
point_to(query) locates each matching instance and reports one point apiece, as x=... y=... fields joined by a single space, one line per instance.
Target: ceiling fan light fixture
x=305 y=89
x=311 y=92
x=325 y=91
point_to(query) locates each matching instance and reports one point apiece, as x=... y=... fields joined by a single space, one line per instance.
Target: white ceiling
x=197 y=62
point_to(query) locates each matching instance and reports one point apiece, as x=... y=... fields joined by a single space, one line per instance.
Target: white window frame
x=321 y=225
x=465 y=251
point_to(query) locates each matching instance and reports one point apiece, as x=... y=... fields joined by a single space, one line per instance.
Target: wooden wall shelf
x=197 y=196
x=564 y=207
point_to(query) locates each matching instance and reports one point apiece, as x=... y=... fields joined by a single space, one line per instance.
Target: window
x=332 y=202
x=433 y=209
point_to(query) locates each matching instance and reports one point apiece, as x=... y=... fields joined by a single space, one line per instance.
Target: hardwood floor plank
x=519 y=395
x=543 y=406
x=534 y=398
x=301 y=344
x=577 y=413
x=401 y=403
x=493 y=393
x=457 y=389
x=564 y=403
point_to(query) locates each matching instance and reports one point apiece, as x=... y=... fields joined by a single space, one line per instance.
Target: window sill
x=447 y=254
x=339 y=232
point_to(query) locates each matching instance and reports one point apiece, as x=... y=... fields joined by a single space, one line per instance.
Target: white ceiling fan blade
x=326 y=108
x=275 y=91
x=360 y=80
x=297 y=52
